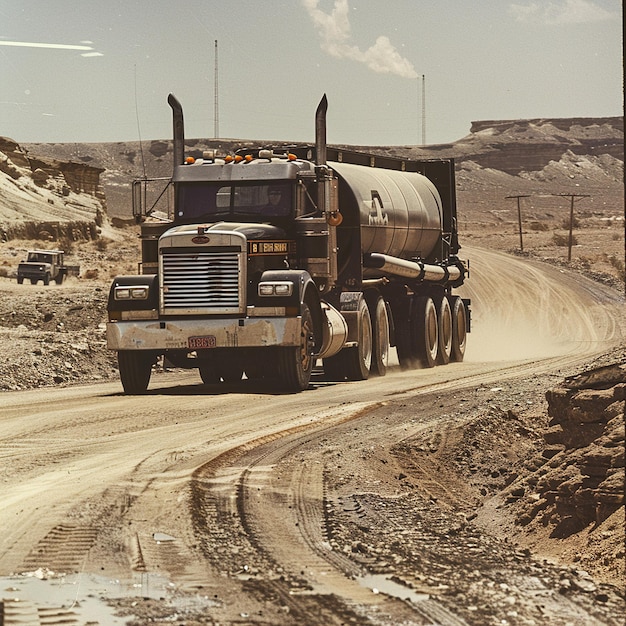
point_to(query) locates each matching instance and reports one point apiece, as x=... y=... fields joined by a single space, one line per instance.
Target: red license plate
x=199 y=343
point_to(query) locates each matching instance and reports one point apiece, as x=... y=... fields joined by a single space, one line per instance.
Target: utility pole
x=216 y=120
x=572 y=197
x=519 y=218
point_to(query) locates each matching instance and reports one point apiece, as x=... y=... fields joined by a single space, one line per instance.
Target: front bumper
x=177 y=334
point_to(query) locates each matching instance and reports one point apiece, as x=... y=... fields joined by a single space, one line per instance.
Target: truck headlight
x=281 y=289
x=132 y=293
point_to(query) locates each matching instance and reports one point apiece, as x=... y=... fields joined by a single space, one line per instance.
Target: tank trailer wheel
x=444 y=328
x=425 y=332
x=402 y=321
x=358 y=360
x=20 y=280
x=296 y=364
x=135 y=368
x=380 y=332
x=459 y=329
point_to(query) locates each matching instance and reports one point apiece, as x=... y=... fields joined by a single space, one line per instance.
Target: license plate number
x=198 y=343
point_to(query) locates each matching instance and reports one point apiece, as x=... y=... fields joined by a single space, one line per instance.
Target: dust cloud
x=520 y=311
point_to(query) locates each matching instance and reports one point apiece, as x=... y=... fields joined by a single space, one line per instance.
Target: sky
x=396 y=72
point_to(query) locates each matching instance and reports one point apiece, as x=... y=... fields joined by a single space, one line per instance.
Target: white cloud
x=564 y=12
x=335 y=34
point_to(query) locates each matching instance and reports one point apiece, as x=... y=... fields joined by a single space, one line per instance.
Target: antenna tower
x=216 y=120
x=423 y=109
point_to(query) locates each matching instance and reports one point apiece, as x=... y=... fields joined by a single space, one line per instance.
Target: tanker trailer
x=276 y=260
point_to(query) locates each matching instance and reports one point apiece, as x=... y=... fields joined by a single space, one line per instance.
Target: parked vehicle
x=44 y=265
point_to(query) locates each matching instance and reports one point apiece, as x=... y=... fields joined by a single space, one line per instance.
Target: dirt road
x=227 y=504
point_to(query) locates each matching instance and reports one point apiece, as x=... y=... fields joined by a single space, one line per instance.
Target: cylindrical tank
x=400 y=213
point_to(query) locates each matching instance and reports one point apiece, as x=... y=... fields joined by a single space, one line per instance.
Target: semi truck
x=274 y=261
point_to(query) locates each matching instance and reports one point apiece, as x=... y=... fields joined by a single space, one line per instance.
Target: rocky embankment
x=574 y=490
x=48 y=199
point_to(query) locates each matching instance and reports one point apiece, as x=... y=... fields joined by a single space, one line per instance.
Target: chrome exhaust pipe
x=179 y=130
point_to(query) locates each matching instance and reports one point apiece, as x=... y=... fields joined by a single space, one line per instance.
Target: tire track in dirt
x=271 y=495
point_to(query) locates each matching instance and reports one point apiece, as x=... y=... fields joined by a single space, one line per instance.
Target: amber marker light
x=190 y=160
x=228 y=159
x=238 y=158
x=292 y=157
x=248 y=158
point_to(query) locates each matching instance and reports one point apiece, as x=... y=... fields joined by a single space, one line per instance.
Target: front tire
x=208 y=373
x=295 y=365
x=135 y=368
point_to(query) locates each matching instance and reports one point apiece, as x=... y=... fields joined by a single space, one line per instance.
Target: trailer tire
x=459 y=329
x=20 y=280
x=296 y=364
x=358 y=359
x=444 y=330
x=380 y=334
x=135 y=368
x=425 y=332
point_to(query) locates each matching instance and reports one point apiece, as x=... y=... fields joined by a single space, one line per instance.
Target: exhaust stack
x=320 y=131
x=179 y=129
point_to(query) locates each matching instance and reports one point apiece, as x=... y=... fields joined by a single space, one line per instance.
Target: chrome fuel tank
x=400 y=213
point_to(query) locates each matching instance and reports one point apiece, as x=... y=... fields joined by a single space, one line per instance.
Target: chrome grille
x=201 y=282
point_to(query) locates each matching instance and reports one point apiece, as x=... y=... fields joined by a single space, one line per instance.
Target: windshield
x=206 y=200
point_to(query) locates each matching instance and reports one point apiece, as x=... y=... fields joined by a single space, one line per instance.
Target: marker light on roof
x=238 y=158
x=190 y=160
x=248 y=158
x=291 y=157
x=228 y=158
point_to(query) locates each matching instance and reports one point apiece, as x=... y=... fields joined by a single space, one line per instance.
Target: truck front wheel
x=135 y=368
x=46 y=279
x=296 y=364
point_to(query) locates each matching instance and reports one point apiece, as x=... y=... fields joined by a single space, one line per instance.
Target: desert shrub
x=563 y=240
x=575 y=222
x=616 y=262
x=91 y=274
x=4 y=272
x=102 y=244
